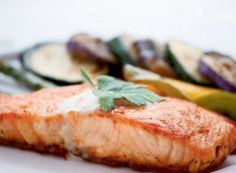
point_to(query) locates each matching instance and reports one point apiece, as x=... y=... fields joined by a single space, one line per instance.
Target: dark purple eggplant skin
x=213 y=76
x=90 y=48
x=73 y=48
x=147 y=51
x=151 y=57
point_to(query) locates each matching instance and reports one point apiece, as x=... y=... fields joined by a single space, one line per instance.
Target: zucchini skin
x=179 y=70
x=117 y=48
x=25 y=54
x=25 y=78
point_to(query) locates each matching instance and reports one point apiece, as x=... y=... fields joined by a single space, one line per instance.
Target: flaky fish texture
x=172 y=136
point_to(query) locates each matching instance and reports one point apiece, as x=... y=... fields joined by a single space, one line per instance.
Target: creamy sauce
x=66 y=135
x=83 y=103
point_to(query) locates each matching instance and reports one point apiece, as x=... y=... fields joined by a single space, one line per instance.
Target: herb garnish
x=109 y=89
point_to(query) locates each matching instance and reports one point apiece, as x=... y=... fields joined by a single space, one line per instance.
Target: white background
x=208 y=24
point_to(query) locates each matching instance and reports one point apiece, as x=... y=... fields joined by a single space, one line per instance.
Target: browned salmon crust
x=173 y=136
x=40 y=148
x=175 y=144
x=22 y=115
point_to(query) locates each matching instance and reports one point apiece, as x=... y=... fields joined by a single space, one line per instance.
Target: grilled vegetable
x=220 y=69
x=25 y=78
x=151 y=56
x=215 y=99
x=184 y=59
x=122 y=48
x=52 y=61
x=139 y=75
x=87 y=47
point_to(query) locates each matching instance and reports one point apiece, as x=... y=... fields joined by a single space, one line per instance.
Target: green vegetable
x=184 y=59
x=53 y=62
x=121 y=47
x=26 y=78
x=109 y=90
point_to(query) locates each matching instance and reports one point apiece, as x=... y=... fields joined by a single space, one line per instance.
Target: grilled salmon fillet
x=32 y=121
x=173 y=135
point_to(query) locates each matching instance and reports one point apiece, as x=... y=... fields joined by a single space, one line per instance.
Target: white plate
x=15 y=160
x=207 y=24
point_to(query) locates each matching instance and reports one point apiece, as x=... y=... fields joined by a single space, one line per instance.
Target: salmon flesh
x=173 y=135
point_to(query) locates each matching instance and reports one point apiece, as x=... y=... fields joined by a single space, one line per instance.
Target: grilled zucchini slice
x=184 y=59
x=53 y=61
x=122 y=48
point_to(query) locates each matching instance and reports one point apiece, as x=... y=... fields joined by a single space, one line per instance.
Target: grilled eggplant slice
x=219 y=68
x=25 y=78
x=87 y=47
x=184 y=59
x=122 y=48
x=151 y=56
x=53 y=61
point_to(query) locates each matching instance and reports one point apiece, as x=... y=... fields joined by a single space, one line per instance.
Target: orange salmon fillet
x=31 y=121
x=173 y=135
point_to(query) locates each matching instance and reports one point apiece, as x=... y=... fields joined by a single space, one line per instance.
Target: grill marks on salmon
x=172 y=135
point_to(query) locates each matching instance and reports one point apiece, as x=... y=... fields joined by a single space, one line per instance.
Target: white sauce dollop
x=83 y=103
